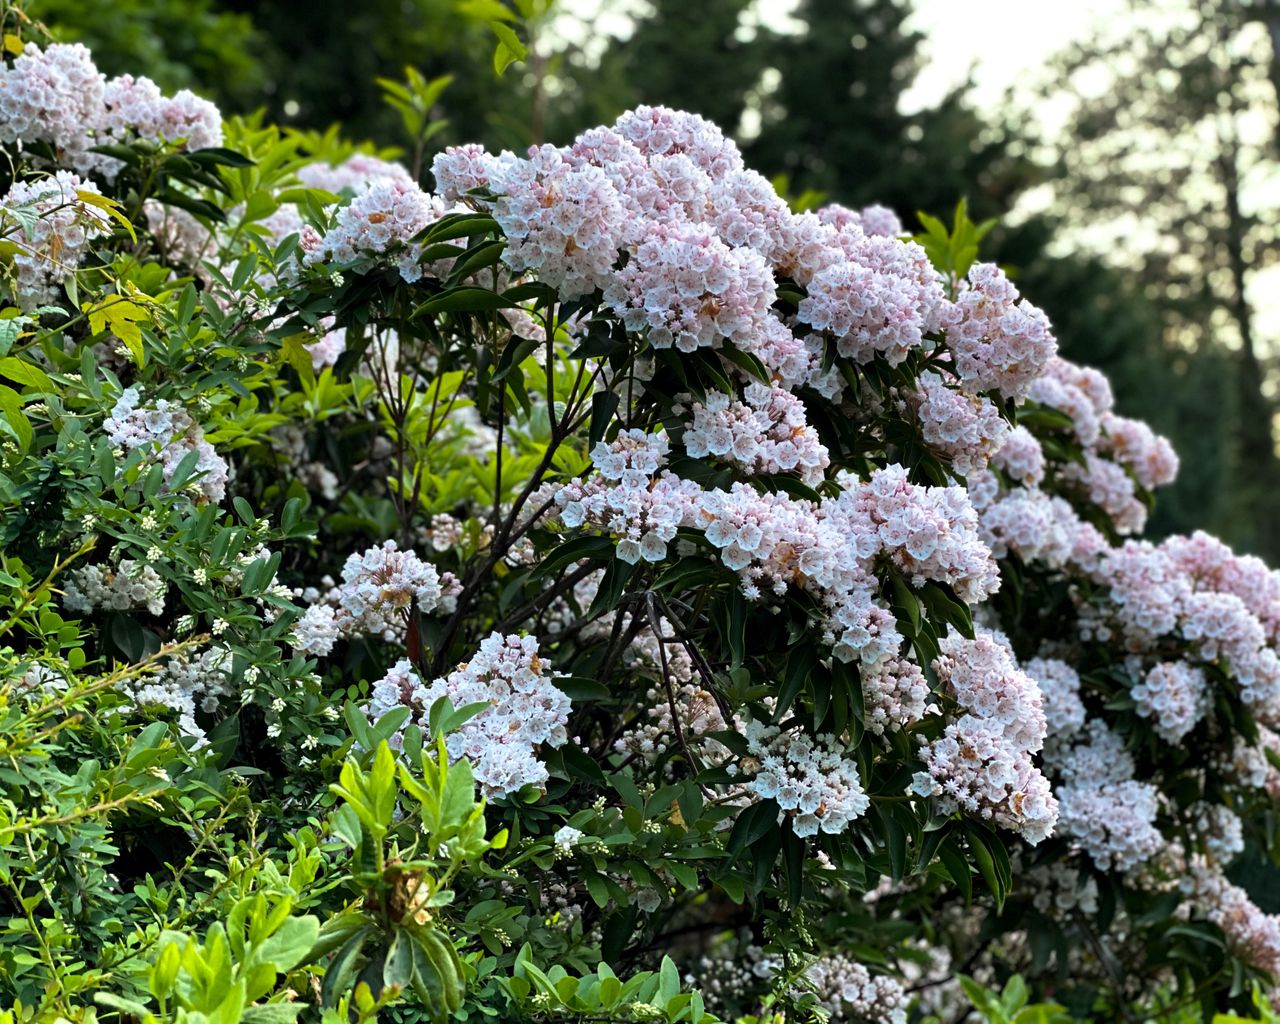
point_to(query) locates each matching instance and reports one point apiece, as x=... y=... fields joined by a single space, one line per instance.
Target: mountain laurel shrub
x=587 y=590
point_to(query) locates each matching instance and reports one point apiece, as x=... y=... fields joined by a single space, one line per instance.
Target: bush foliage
x=587 y=590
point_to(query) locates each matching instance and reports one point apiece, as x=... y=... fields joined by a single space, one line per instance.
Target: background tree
x=1161 y=168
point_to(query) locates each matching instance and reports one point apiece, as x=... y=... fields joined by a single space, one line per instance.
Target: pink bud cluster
x=1252 y=934
x=895 y=695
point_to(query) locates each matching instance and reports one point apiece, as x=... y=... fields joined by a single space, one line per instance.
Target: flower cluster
x=967 y=429
x=51 y=224
x=880 y=300
x=895 y=694
x=165 y=432
x=58 y=96
x=1108 y=814
x=1172 y=695
x=808 y=776
x=687 y=288
x=998 y=342
x=379 y=586
x=384 y=217
x=766 y=434
x=847 y=991
x=522 y=710
x=982 y=763
x=126 y=586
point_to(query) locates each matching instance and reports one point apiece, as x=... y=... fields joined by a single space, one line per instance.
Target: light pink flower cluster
x=973 y=767
x=1108 y=486
x=1134 y=445
x=382 y=219
x=930 y=533
x=629 y=500
x=1108 y=814
x=165 y=432
x=1059 y=686
x=847 y=991
x=1152 y=595
x=895 y=694
x=966 y=429
x=1213 y=566
x=881 y=300
x=808 y=776
x=563 y=221
x=378 y=588
x=58 y=96
x=1253 y=935
x=1173 y=695
x=766 y=434
x=1021 y=457
x=660 y=131
x=872 y=220
x=523 y=710
x=982 y=763
x=998 y=343
x=687 y=288
x=1040 y=528
x=52 y=228
x=1073 y=391
x=136 y=108
x=983 y=678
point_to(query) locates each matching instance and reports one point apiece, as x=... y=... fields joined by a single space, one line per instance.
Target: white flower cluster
x=353 y=174
x=378 y=588
x=982 y=762
x=1219 y=829
x=895 y=695
x=847 y=991
x=128 y=586
x=178 y=685
x=384 y=217
x=1109 y=814
x=316 y=631
x=58 y=96
x=766 y=434
x=524 y=710
x=164 y=431
x=51 y=226
x=1173 y=695
x=808 y=776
